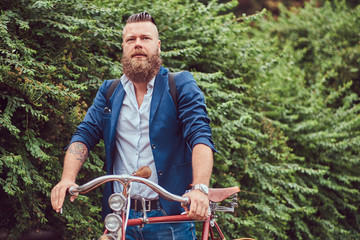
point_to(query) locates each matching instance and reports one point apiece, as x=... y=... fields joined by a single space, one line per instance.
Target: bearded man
x=141 y=126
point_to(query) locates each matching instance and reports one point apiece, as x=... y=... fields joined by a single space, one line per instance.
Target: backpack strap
x=172 y=86
x=111 y=89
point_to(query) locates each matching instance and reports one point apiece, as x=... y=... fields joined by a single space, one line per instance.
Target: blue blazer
x=173 y=132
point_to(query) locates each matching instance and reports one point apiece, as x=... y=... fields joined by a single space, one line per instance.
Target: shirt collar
x=125 y=81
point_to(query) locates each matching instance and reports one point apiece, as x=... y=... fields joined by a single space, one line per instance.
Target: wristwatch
x=202 y=187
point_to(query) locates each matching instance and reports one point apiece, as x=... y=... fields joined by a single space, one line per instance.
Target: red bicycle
x=116 y=222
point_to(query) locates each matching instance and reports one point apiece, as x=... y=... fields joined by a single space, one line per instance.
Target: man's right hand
x=75 y=156
x=58 y=194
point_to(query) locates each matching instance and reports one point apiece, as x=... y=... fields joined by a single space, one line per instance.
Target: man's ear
x=159 y=46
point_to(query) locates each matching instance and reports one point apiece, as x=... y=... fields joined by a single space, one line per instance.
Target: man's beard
x=141 y=71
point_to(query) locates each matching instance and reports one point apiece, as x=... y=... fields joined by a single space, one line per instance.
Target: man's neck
x=140 y=91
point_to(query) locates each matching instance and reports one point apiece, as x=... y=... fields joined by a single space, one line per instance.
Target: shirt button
x=153 y=146
x=160 y=172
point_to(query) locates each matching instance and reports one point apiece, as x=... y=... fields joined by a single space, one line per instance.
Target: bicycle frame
x=216 y=195
x=207 y=230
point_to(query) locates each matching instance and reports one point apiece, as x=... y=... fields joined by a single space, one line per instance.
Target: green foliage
x=283 y=97
x=312 y=88
x=51 y=55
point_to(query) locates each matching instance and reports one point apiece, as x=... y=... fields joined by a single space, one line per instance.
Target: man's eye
x=130 y=40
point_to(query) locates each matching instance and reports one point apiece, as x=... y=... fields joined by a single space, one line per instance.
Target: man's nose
x=138 y=43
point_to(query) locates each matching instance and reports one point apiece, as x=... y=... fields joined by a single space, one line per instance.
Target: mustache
x=138 y=52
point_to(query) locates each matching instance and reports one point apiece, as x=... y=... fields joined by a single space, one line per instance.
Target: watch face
x=202 y=187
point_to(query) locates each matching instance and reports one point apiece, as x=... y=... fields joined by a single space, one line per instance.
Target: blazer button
x=153 y=146
x=160 y=172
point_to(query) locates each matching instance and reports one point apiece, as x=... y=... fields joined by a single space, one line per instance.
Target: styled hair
x=141 y=17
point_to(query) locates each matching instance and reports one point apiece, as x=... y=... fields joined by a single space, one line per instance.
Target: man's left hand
x=199 y=205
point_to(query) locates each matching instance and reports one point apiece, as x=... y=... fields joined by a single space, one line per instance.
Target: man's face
x=140 y=40
x=141 y=51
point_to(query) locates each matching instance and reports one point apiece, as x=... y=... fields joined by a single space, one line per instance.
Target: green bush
x=53 y=58
x=312 y=82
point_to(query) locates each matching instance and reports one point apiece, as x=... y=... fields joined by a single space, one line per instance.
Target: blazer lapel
x=159 y=86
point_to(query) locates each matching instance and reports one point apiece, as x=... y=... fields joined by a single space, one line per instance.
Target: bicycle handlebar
x=127 y=178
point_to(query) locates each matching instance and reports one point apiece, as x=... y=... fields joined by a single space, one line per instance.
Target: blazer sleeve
x=89 y=131
x=192 y=111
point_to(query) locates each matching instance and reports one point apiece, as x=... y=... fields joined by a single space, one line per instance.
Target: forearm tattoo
x=79 y=150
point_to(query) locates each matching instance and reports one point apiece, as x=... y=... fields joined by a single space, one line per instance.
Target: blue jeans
x=162 y=231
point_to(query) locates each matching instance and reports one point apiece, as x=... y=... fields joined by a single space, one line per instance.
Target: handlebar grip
x=72 y=190
x=187 y=201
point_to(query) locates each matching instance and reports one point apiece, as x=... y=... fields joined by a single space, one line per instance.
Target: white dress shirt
x=133 y=148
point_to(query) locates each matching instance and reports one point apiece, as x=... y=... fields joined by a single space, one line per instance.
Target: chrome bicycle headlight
x=117 y=201
x=113 y=222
